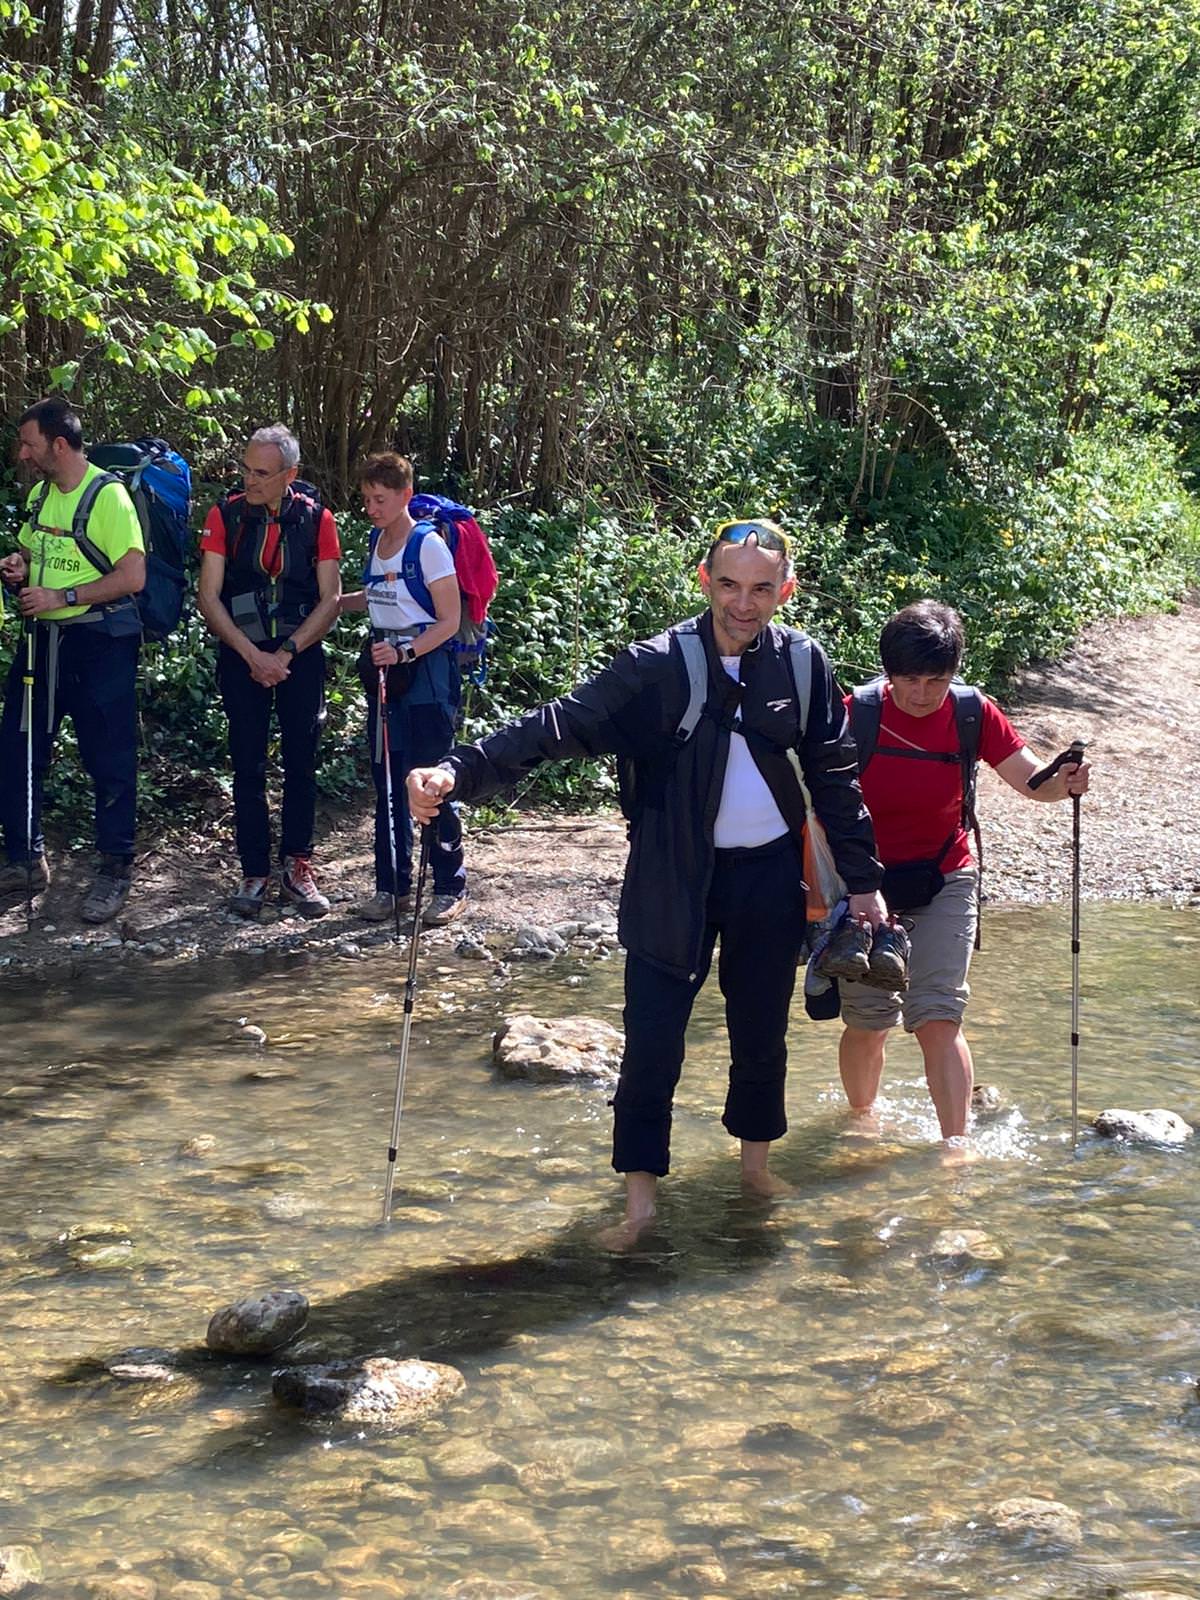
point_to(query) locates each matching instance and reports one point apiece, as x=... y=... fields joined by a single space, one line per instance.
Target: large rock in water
x=375 y=1390
x=1048 y=1524
x=258 y=1324
x=1143 y=1127
x=569 y=1049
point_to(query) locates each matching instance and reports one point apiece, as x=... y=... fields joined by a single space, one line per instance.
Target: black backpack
x=866 y=713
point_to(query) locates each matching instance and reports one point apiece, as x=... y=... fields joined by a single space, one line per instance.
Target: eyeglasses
x=765 y=536
x=259 y=474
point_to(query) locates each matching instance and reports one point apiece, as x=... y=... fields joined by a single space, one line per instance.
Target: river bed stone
x=257 y=1324
x=20 y=1569
x=375 y=1391
x=1158 y=1126
x=568 y=1048
x=1045 y=1524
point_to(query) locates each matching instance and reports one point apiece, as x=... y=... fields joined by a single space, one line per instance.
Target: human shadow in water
x=707 y=1230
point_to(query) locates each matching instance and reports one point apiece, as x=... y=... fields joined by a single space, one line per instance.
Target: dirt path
x=1130 y=688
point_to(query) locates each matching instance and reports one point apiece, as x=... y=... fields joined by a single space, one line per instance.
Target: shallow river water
x=785 y=1400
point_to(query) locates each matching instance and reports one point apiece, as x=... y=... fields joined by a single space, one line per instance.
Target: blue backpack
x=159 y=482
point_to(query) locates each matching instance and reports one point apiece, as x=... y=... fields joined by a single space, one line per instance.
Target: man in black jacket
x=710 y=852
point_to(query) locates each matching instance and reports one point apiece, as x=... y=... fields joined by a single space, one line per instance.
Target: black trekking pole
x=28 y=698
x=1072 y=756
x=28 y=680
x=410 y=986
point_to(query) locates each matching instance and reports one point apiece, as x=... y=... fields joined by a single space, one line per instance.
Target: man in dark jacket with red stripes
x=711 y=856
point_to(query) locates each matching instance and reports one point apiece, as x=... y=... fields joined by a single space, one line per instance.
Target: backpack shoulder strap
x=691 y=647
x=866 y=713
x=968 y=719
x=800 y=658
x=410 y=566
x=79 y=522
x=34 y=505
x=373 y=539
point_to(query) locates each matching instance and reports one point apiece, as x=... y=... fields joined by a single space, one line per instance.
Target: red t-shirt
x=328 y=546
x=917 y=805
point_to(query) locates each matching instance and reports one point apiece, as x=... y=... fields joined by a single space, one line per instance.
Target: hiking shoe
x=250 y=897
x=109 y=890
x=298 y=885
x=847 y=953
x=443 y=908
x=888 y=965
x=379 y=907
x=15 y=877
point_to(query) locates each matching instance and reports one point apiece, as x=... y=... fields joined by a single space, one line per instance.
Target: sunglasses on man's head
x=765 y=538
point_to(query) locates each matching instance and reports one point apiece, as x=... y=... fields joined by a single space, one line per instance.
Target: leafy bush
x=1113 y=530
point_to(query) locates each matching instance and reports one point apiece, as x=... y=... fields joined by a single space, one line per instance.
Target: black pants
x=97 y=688
x=298 y=703
x=418 y=736
x=756 y=909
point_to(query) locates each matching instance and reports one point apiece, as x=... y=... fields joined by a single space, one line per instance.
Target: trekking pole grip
x=1072 y=756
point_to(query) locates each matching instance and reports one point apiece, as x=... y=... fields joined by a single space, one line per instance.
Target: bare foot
x=764 y=1185
x=862 y=1122
x=623 y=1235
x=958 y=1151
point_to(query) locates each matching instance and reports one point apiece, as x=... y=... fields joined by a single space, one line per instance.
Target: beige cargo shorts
x=943 y=939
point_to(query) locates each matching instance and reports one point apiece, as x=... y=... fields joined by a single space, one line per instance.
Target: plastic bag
x=825 y=885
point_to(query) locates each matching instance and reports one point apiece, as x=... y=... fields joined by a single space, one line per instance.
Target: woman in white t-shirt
x=408 y=642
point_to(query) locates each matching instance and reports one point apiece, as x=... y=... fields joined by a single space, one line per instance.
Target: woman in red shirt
x=916 y=804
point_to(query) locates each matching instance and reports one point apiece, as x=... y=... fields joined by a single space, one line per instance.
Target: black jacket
x=672 y=792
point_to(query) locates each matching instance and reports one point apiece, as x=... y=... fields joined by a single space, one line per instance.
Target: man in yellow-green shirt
x=86 y=634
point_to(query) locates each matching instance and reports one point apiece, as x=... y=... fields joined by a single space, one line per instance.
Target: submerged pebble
x=1042 y=1523
x=959 y=1249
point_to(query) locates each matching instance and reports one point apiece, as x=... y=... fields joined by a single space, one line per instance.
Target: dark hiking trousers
x=298 y=703
x=756 y=909
x=97 y=688
x=419 y=735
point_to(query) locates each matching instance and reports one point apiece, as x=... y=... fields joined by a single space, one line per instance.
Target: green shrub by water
x=1113 y=531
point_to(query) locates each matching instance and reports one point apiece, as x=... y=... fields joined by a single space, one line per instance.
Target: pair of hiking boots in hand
x=880 y=960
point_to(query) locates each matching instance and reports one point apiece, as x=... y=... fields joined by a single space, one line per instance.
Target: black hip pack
x=399 y=678
x=912 y=884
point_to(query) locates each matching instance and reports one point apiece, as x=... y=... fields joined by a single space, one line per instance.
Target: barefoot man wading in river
x=710 y=855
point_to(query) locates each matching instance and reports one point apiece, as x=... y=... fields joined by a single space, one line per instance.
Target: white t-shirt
x=392 y=608
x=748 y=815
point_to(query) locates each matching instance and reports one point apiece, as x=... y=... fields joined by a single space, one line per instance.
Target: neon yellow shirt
x=55 y=559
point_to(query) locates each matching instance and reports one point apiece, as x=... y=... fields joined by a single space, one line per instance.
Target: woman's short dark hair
x=387 y=470
x=55 y=420
x=923 y=640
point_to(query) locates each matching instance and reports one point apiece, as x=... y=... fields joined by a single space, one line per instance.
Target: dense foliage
x=920 y=277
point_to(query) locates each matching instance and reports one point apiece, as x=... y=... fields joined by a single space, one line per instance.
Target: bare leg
x=861 y=1055
x=641 y=1189
x=755 y=1177
x=949 y=1074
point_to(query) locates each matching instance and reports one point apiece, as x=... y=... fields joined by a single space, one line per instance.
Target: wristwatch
x=70 y=597
x=406 y=652
x=291 y=647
